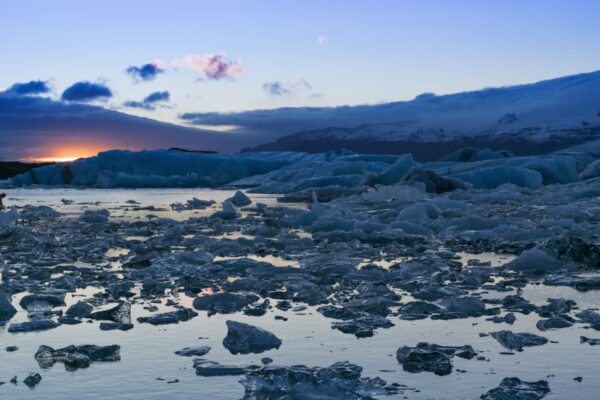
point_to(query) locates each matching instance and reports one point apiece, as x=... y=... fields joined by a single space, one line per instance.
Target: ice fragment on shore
x=239 y=199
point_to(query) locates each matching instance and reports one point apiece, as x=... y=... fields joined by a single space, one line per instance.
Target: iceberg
x=419 y=212
x=490 y=178
x=591 y=171
x=395 y=172
x=555 y=170
x=472 y=154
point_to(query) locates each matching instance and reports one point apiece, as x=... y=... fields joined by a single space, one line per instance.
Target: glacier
x=158 y=168
x=298 y=174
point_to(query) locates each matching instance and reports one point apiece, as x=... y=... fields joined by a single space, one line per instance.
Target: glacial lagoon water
x=148 y=362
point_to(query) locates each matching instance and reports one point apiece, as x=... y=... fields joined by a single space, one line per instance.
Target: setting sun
x=67 y=153
x=54 y=159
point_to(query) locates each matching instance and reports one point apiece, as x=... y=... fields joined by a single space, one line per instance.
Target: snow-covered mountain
x=525 y=119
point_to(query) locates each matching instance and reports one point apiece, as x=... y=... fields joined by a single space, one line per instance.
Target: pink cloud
x=215 y=66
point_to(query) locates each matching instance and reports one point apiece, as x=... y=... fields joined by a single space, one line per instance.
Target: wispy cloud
x=215 y=66
x=29 y=88
x=149 y=101
x=277 y=88
x=86 y=91
x=138 y=104
x=322 y=40
x=282 y=121
x=302 y=83
x=145 y=72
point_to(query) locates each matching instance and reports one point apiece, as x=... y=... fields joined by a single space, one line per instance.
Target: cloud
x=277 y=88
x=145 y=72
x=138 y=104
x=322 y=40
x=149 y=101
x=32 y=126
x=270 y=124
x=282 y=121
x=86 y=91
x=157 y=96
x=214 y=66
x=29 y=88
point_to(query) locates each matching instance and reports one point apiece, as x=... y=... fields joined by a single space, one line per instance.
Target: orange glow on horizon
x=67 y=153
x=52 y=159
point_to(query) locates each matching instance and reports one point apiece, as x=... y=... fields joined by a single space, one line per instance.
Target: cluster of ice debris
x=377 y=246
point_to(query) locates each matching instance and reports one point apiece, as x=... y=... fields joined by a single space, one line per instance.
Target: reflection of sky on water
x=148 y=351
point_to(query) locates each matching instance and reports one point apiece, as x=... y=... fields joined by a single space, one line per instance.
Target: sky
x=162 y=60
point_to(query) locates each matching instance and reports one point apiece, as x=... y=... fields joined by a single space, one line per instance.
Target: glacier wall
x=301 y=173
x=159 y=168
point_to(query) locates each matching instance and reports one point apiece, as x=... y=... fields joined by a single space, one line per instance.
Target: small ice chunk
x=533 y=260
x=240 y=199
x=75 y=357
x=7 y=311
x=197 y=351
x=514 y=388
x=245 y=338
x=95 y=216
x=516 y=341
x=228 y=211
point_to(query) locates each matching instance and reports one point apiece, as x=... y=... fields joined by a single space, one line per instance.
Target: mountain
x=526 y=119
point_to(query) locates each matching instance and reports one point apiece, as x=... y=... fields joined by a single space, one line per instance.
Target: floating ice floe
x=74 y=357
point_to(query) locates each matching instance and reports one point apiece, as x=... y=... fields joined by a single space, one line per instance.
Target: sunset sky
x=161 y=60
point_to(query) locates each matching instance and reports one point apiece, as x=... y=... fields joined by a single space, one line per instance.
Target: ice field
x=353 y=276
